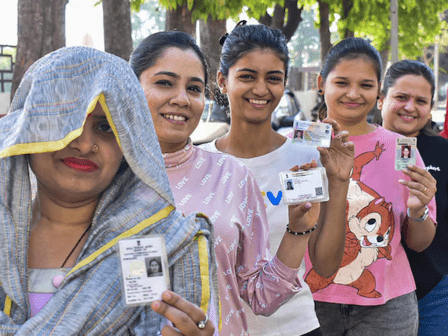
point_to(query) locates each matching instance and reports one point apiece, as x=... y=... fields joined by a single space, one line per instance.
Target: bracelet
x=422 y=218
x=300 y=233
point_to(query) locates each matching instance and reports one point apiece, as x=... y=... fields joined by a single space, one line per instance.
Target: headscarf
x=48 y=112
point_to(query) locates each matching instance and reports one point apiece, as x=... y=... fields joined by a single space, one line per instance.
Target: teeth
x=174 y=117
x=258 y=101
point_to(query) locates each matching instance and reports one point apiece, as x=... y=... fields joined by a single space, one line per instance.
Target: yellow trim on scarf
x=133 y=231
x=102 y=101
x=7 y=308
x=52 y=146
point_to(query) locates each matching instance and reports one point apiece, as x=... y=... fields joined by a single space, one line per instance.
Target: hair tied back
x=223 y=38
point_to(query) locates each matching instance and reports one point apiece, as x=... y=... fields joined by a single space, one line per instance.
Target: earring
x=377 y=97
x=95 y=148
x=319 y=91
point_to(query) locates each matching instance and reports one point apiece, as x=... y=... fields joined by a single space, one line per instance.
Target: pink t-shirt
x=224 y=189
x=374 y=268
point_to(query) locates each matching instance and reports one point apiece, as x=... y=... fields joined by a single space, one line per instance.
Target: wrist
x=300 y=233
x=418 y=216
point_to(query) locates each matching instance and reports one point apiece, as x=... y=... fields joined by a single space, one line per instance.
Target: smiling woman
x=100 y=178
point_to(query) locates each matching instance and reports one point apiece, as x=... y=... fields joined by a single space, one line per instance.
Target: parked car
x=214 y=123
x=286 y=111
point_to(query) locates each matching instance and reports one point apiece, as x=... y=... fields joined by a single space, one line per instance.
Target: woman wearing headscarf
x=76 y=125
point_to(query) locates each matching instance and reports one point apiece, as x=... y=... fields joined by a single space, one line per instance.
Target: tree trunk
x=180 y=19
x=347 y=6
x=324 y=29
x=117 y=28
x=210 y=32
x=41 y=30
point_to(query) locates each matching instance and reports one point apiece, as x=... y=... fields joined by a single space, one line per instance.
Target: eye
x=368 y=86
x=401 y=98
x=422 y=101
x=371 y=224
x=275 y=79
x=246 y=76
x=195 y=88
x=341 y=83
x=103 y=129
x=164 y=82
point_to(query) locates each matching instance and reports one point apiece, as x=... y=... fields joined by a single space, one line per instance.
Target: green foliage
x=148 y=20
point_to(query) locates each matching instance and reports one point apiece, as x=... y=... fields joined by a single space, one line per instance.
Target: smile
x=82 y=165
x=406 y=117
x=258 y=101
x=174 y=117
x=351 y=104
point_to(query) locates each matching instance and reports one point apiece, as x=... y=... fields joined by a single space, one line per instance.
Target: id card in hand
x=304 y=186
x=312 y=133
x=405 y=153
x=144 y=269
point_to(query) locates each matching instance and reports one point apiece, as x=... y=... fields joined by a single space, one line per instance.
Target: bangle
x=300 y=233
x=422 y=218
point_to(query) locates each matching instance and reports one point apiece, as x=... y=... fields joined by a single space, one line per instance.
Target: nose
x=260 y=88
x=410 y=105
x=181 y=98
x=85 y=143
x=353 y=92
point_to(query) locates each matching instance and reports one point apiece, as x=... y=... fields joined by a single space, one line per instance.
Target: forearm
x=326 y=245
x=292 y=249
x=418 y=235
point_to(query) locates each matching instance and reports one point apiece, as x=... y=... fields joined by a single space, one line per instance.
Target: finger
x=183 y=305
x=295 y=168
x=170 y=331
x=420 y=175
x=342 y=135
x=334 y=124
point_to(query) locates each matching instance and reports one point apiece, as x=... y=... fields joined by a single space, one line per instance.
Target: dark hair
x=349 y=49
x=244 y=39
x=158 y=263
x=416 y=68
x=151 y=48
x=406 y=67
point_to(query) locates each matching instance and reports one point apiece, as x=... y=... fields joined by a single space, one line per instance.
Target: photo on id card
x=144 y=269
x=405 y=152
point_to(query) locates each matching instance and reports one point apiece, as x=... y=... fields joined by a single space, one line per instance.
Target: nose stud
x=95 y=148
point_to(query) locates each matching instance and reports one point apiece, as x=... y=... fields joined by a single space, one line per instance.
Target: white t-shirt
x=297 y=317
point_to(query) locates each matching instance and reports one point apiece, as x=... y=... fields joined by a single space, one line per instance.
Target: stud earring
x=319 y=91
x=377 y=97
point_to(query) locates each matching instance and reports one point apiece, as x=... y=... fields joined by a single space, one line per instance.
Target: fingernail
x=167 y=295
x=405 y=170
x=400 y=181
x=307 y=205
x=410 y=165
x=155 y=305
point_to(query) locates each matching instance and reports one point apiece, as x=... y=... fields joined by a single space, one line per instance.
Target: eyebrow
x=253 y=71
x=174 y=75
x=364 y=80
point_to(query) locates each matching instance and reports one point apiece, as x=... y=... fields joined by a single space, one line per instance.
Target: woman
x=173 y=73
x=253 y=73
x=73 y=122
x=154 y=268
x=406 y=101
x=372 y=293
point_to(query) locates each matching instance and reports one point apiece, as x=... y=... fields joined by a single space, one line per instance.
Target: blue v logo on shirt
x=275 y=200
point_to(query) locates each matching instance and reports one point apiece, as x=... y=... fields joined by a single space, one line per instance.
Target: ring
x=201 y=324
x=424 y=189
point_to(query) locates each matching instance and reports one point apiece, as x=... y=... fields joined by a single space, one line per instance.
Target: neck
x=248 y=140
x=355 y=127
x=48 y=210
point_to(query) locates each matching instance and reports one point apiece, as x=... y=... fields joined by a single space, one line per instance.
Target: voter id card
x=304 y=186
x=144 y=269
x=405 y=152
x=310 y=133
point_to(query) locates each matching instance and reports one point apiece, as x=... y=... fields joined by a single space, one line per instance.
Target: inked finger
x=175 y=300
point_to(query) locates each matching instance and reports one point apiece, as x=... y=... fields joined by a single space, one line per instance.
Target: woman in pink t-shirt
x=173 y=74
x=372 y=293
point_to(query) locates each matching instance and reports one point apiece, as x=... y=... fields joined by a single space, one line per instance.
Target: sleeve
x=265 y=283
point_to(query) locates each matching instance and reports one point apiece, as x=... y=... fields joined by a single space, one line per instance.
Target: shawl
x=48 y=112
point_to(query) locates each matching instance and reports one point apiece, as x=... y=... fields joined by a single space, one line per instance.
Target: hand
x=339 y=157
x=303 y=217
x=422 y=189
x=183 y=314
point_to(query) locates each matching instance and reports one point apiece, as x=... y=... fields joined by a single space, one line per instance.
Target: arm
x=326 y=245
x=418 y=235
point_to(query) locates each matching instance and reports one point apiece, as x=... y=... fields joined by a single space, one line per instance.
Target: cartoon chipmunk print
x=369 y=230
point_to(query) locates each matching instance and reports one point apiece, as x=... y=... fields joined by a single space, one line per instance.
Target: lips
x=82 y=165
x=351 y=104
x=406 y=117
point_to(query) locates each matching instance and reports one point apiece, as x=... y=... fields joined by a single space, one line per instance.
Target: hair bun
x=223 y=38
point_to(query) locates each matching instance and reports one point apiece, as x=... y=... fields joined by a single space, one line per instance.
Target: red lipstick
x=83 y=165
